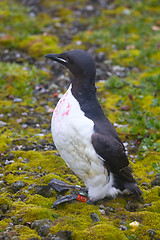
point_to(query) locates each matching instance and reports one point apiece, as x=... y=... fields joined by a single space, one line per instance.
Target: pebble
x=101 y=206
x=3 y=124
x=43 y=190
x=5 y=236
x=126 y=12
x=53 y=86
x=11 y=156
x=17 y=100
x=156 y=182
x=1 y=183
x=95 y=217
x=89 y=8
x=25 y=160
x=125 y=144
x=17 y=185
x=122 y=227
x=7 y=162
x=24 y=125
x=42 y=226
x=102 y=211
x=4 y=207
x=151 y=233
x=131 y=206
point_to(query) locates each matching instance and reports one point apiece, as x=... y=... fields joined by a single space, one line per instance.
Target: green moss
x=41 y=201
x=125 y=57
x=18 y=80
x=30 y=212
x=5 y=204
x=4 y=143
x=4 y=224
x=148 y=220
x=143 y=172
x=33 y=44
x=114 y=82
x=26 y=233
x=101 y=231
x=16 y=23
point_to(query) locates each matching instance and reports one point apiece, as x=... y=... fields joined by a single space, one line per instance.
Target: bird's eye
x=69 y=60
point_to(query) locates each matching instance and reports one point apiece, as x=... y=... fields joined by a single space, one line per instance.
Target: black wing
x=113 y=153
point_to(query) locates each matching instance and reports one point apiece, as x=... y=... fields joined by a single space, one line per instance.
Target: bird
x=85 y=137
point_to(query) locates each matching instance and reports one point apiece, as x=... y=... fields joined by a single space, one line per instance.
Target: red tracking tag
x=81 y=198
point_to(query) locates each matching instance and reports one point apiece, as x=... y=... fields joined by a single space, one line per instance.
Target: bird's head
x=80 y=63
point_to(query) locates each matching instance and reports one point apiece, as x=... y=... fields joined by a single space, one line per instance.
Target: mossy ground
x=128 y=35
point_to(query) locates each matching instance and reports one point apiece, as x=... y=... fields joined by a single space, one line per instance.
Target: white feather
x=72 y=132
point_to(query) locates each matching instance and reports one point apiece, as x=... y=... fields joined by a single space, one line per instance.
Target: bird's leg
x=78 y=197
x=61 y=186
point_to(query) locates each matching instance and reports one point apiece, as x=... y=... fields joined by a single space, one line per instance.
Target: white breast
x=72 y=132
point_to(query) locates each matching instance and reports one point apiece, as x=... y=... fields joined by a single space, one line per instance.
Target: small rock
x=5 y=236
x=101 y=207
x=28 y=147
x=2 y=124
x=22 y=196
x=25 y=160
x=42 y=226
x=17 y=185
x=125 y=108
x=7 y=162
x=11 y=156
x=122 y=227
x=17 y=100
x=16 y=238
x=108 y=210
x=61 y=235
x=95 y=217
x=53 y=86
x=126 y=12
x=156 y=182
x=131 y=206
x=4 y=207
x=102 y=211
x=43 y=190
x=89 y=8
x=24 y=125
x=125 y=144
x=151 y=233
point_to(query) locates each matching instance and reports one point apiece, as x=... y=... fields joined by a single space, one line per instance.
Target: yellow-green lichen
x=31 y=212
x=25 y=233
x=40 y=45
x=100 y=231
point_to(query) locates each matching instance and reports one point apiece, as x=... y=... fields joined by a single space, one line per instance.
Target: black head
x=80 y=63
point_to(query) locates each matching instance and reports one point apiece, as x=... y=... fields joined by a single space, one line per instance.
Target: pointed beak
x=55 y=57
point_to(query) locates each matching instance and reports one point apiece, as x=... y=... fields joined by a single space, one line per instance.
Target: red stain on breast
x=66 y=106
x=67 y=112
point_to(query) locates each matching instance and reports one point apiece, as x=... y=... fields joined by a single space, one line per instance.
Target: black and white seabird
x=84 y=136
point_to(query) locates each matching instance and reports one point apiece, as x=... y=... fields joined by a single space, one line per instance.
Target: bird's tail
x=133 y=188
